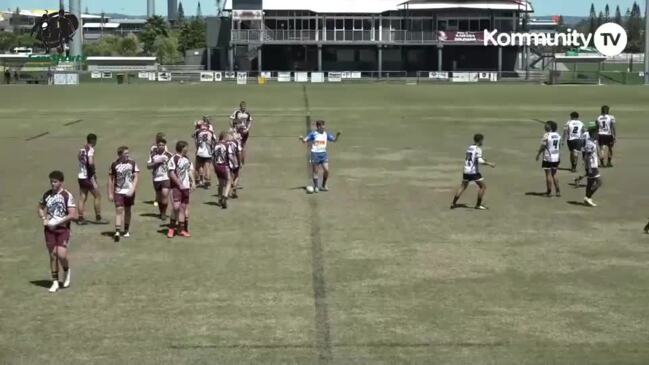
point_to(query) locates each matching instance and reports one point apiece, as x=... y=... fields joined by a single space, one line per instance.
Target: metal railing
x=333 y=36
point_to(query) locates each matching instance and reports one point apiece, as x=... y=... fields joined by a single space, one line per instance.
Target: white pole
x=646 y=45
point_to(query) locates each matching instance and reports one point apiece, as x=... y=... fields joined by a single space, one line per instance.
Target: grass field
x=378 y=270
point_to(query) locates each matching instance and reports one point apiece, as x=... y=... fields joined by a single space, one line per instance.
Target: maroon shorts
x=122 y=200
x=222 y=171
x=244 y=138
x=86 y=185
x=180 y=195
x=59 y=237
x=159 y=185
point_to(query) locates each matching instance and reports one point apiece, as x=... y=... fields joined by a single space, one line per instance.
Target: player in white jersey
x=591 y=159
x=318 y=141
x=205 y=141
x=572 y=133
x=181 y=174
x=551 y=151
x=607 y=136
x=88 y=180
x=159 y=136
x=241 y=121
x=158 y=164
x=472 y=161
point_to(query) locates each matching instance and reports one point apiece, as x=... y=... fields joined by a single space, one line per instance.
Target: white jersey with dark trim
x=552 y=143
x=575 y=129
x=472 y=160
x=591 y=158
x=605 y=122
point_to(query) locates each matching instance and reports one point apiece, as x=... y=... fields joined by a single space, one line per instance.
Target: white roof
x=100 y=25
x=381 y=6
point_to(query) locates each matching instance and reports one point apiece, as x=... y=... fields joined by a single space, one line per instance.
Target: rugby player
x=153 y=148
x=181 y=174
x=318 y=140
x=88 y=180
x=56 y=210
x=551 y=151
x=222 y=168
x=234 y=156
x=607 y=136
x=205 y=141
x=591 y=159
x=241 y=121
x=472 y=161
x=158 y=164
x=572 y=133
x=122 y=184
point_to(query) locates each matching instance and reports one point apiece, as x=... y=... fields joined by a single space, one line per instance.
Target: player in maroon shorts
x=181 y=174
x=241 y=121
x=154 y=147
x=57 y=209
x=205 y=140
x=158 y=163
x=122 y=185
x=88 y=180
x=222 y=169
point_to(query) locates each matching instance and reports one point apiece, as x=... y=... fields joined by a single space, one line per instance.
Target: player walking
x=88 y=180
x=205 y=141
x=181 y=174
x=241 y=121
x=158 y=163
x=159 y=136
x=122 y=184
x=573 y=132
x=56 y=210
x=551 y=151
x=607 y=136
x=222 y=169
x=235 y=150
x=318 y=140
x=591 y=159
x=472 y=161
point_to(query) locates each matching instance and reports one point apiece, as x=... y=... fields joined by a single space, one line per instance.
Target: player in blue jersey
x=318 y=140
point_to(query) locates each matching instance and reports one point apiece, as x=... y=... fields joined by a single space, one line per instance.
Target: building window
x=463 y=25
x=452 y=24
x=442 y=25
x=474 y=25
x=484 y=24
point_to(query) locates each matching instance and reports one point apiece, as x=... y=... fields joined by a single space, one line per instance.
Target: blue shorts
x=319 y=158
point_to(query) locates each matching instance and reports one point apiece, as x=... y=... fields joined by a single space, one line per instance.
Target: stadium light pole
x=646 y=43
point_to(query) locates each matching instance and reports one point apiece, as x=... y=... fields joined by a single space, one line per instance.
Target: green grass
x=379 y=270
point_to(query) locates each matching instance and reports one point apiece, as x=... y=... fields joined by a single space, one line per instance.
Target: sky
x=138 y=7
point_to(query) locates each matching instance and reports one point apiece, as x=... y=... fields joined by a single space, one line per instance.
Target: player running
x=607 y=136
x=551 y=151
x=158 y=163
x=318 y=140
x=56 y=210
x=241 y=121
x=88 y=180
x=472 y=161
x=123 y=178
x=181 y=174
x=573 y=132
x=591 y=159
x=222 y=168
x=205 y=141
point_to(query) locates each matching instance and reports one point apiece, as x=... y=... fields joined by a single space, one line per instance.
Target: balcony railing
x=384 y=36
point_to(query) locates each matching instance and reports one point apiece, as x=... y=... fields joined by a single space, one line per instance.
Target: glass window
x=330 y=24
x=340 y=24
x=474 y=25
x=428 y=25
x=441 y=25
x=485 y=24
x=463 y=25
x=452 y=24
x=349 y=24
x=358 y=24
x=367 y=24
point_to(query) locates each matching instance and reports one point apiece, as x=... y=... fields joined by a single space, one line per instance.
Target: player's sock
x=455 y=199
x=126 y=228
x=479 y=203
x=172 y=223
x=55 y=276
x=315 y=182
x=98 y=217
x=186 y=223
x=324 y=182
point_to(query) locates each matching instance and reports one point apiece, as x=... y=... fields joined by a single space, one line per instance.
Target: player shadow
x=564 y=169
x=149 y=202
x=302 y=187
x=42 y=283
x=577 y=186
x=108 y=233
x=214 y=204
x=533 y=193
x=462 y=206
x=104 y=223
x=573 y=202
x=150 y=215
x=163 y=231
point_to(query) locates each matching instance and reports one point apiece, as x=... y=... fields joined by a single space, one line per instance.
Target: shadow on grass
x=214 y=204
x=42 y=283
x=150 y=215
x=149 y=202
x=542 y=195
x=580 y=204
x=108 y=234
x=461 y=206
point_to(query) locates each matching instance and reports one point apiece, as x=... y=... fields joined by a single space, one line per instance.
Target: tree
x=199 y=12
x=128 y=46
x=192 y=35
x=166 y=50
x=181 y=14
x=607 y=14
x=618 y=16
x=593 y=20
x=600 y=19
x=634 y=29
x=154 y=27
x=106 y=46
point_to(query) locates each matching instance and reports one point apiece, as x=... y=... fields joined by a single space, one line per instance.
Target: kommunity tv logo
x=610 y=39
